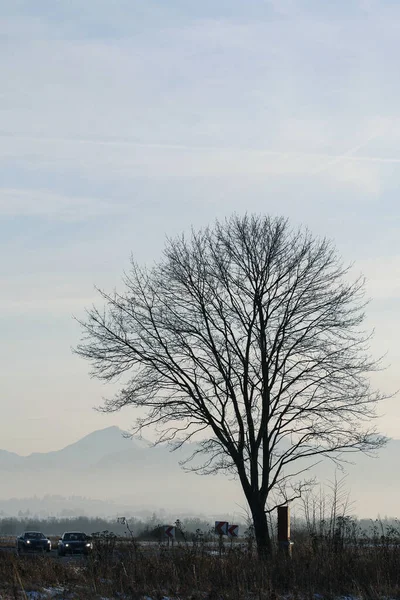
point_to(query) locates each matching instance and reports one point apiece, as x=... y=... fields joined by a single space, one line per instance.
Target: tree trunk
x=261 y=529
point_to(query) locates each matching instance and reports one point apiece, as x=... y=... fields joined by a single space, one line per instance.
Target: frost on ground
x=51 y=593
x=57 y=593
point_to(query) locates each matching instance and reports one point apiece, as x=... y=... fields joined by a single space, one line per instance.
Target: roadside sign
x=233 y=531
x=169 y=531
x=221 y=527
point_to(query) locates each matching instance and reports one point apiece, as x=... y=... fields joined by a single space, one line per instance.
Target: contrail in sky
x=332 y=158
x=350 y=155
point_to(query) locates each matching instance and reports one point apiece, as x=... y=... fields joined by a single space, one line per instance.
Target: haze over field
x=105 y=474
x=123 y=122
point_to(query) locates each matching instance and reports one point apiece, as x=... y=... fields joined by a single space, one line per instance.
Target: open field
x=133 y=571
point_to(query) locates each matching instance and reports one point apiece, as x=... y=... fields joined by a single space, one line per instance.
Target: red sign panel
x=221 y=527
x=169 y=531
x=233 y=530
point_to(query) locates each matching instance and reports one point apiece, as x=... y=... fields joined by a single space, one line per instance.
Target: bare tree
x=249 y=334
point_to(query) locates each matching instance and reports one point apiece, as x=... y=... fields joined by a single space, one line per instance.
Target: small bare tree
x=249 y=333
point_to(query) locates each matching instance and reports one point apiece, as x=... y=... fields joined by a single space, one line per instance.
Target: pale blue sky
x=124 y=121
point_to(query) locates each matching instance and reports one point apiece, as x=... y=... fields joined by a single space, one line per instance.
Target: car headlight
x=27 y=541
x=88 y=545
x=67 y=545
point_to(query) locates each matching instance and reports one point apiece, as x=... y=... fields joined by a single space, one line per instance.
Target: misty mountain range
x=105 y=473
x=112 y=473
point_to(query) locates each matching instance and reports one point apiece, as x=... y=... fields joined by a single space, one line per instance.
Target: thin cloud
x=383 y=276
x=44 y=203
x=333 y=158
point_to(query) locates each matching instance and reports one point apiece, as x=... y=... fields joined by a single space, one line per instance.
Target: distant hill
x=105 y=465
x=117 y=473
x=84 y=453
x=9 y=460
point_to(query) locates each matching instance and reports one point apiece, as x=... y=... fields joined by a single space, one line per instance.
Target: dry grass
x=35 y=572
x=130 y=572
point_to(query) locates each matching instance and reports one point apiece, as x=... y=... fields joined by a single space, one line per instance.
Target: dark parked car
x=74 y=542
x=33 y=541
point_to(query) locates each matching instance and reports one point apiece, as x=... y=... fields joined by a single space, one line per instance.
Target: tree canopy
x=249 y=335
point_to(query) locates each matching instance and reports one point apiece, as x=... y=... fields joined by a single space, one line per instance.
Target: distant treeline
x=143 y=529
x=190 y=527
